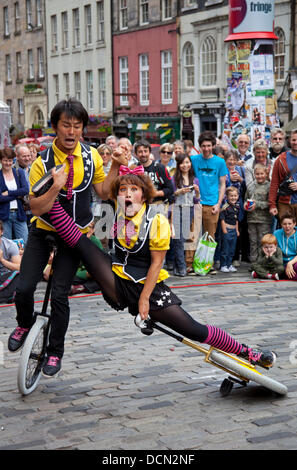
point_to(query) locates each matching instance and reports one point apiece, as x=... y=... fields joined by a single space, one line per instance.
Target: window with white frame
x=8 y=67
x=20 y=106
x=19 y=67
x=77 y=86
x=6 y=21
x=144 y=79
x=76 y=29
x=102 y=89
x=90 y=89
x=54 y=33
x=39 y=20
x=144 y=12
x=167 y=9
x=208 y=62
x=17 y=18
x=123 y=14
x=39 y=118
x=66 y=85
x=279 y=54
x=40 y=60
x=29 y=20
x=124 y=83
x=64 y=24
x=30 y=64
x=56 y=87
x=188 y=62
x=100 y=21
x=166 y=71
x=88 y=25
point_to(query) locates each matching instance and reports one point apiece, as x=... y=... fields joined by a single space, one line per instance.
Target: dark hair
x=287 y=215
x=142 y=181
x=218 y=149
x=141 y=143
x=207 y=136
x=72 y=108
x=231 y=153
x=178 y=176
x=7 y=152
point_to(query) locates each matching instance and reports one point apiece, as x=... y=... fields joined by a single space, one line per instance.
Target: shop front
x=155 y=130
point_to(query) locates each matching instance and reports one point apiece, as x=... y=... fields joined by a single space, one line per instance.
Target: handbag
x=204 y=255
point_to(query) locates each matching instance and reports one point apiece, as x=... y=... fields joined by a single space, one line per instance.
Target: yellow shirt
x=37 y=171
x=159 y=239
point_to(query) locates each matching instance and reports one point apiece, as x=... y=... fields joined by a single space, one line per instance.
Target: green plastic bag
x=203 y=259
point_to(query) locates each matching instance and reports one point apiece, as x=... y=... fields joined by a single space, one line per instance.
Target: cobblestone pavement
x=119 y=389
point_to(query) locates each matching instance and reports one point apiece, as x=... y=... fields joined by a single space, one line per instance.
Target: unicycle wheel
x=247 y=371
x=32 y=357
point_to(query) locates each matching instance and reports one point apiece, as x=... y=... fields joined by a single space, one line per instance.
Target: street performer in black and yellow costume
x=82 y=169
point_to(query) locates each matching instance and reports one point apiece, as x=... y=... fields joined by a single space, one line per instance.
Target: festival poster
x=243 y=51
x=262 y=73
x=231 y=53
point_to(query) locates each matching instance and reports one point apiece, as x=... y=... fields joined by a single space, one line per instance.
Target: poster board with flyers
x=251 y=105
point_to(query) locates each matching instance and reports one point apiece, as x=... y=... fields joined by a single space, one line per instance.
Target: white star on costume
x=160 y=302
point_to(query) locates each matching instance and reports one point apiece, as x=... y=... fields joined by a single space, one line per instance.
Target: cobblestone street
x=121 y=390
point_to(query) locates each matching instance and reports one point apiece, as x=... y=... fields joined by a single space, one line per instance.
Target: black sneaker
x=264 y=358
x=52 y=366
x=17 y=338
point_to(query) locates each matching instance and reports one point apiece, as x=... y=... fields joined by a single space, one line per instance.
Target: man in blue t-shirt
x=211 y=172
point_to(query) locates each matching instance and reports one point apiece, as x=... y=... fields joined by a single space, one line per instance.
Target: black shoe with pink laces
x=257 y=357
x=52 y=366
x=17 y=338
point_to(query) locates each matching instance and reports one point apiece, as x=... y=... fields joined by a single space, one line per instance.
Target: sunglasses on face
x=166 y=151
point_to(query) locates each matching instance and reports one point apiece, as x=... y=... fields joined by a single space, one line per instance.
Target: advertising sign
x=251 y=20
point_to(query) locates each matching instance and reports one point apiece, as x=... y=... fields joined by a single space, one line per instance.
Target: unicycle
x=240 y=371
x=33 y=355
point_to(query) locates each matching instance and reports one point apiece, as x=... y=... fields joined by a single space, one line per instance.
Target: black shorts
x=128 y=293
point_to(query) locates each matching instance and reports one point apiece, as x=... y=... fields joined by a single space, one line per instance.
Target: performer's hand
x=59 y=177
x=120 y=156
x=144 y=307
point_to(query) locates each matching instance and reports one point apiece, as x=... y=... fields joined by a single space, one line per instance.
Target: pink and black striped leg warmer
x=221 y=340
x=64 y=225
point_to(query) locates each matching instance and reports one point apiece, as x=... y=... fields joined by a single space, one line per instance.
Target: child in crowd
x=258 y=216
x=186 y=192
x=287 y=241
x=269 y=264
x=229 y=225
x=133 y=277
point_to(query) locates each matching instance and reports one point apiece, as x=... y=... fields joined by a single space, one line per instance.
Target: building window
x=66 y=85
x=30 y=65
x=17 y=19
x=8 y=67
x=144 y=12
x=77 y=86
x=124 y=72
x=6 y=21
x=144 y=79
x=279 y=54
x=39 y=118
x=64 y=21
x=166 y=67
x=102 y=90
x=100 y=21
x=20 y=106
x=188 y=59
x=76 y=30
x=90 y=95
x=209 y=62
x=88 y=25
x=40 y=59
x=19 y=66
x=29 y=14
x=56 y=87
x=167 y=9
x=123 y=14
x=54 y=33
x=39 y=21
